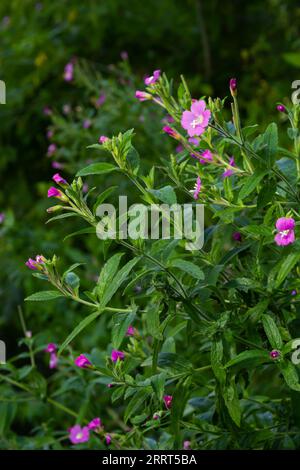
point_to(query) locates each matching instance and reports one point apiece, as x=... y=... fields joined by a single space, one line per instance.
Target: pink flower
x=108 y=439
x=171 y=132
x=34 y=264
x=274 y=354
x=53 y=361
x=237 y=236
x=196 y=120
x=95 y=423
x=86 y=123
x=54 y=192
x=115 y=355
x=229 y=171
x=285 y=227
x=58 y=179
x=66 y=109
x=142 y=95
x=51 y=150
x=103 y=139
x=294 y=292
x=57 y=165
x=47 y=111
x=68 y=72
x=28 y=334
x=51 y=348
x=151 y=80
x=168 y=401
x=197 y=188
x=233 y=86
x=206 y=157
x=124 y=55
x=186 y=445
x=82 y=361
x=193 y=140
x=77 y=434
x=101 y=100
x=179 y=148
x=2 y=217
x=130 y=331
x=281 y=108
x=50 y=134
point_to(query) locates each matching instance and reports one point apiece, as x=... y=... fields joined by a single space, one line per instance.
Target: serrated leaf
x=216 y=356
x=188 y=267
x=253 y=356
x=136 y=402
x=286 y=267
x=249 y=184
x=165 y=194
x=97 y=169
x=44 y=296
x=290 y=374
x=120 y=326
x=272 y=332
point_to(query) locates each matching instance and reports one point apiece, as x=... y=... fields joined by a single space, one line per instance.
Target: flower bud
x=233 y=86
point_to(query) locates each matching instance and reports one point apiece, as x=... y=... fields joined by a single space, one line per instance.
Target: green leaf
x=165 y=194
x=152 y=320
x=121 y=322
x=216 y=356
x=97 y=169
x=292 y=58
x=133 y=159
x=158 y=384
x=257 y=230
x=249 y=184
x=107 y=273
x=286 y=267
x=81 y=232
x=188 y=267
x=62 y=216
x=272 y=332
x=136 y=402
x=290 y=374
x=242 y=283
x=103 y=196
x=270 y=140
x=254 y=313
x=232 y=403
x=251 y=357
x=120 y=277
x=81 y=326
x=44 y=296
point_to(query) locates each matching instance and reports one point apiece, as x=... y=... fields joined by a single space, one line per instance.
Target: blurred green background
x=209 y=42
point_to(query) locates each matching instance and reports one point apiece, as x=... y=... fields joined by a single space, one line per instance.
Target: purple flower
x=186 y=445
x=54 y=192
x=34 y=264
x=130 y=331
x=108 y=439
x=95 y=423
x=142 y=95
x=171 y=132
x=197 y=188
x=57 y=165
x=153 y=78
x=285 y=227
x=50 y=134
x=58 y=179
x=206 y=157
x=86 y=123
x=281 y=108
x=294 y=292
x=229 y=171
x=193 y=140
x=155 y=416
x=274 y=354
x=115 y=355
x=47 y=111
x=168 y=401
x=77 y=434
x=82 y=361
x=2 y=217
x=179 y=148
x=53 y=361
x=110 y=385
x=51 y=150
x=103 y=139
x=68 y=72
x=237 y=236
x=101 y=100
x=233 y=86
x=51 y=348
x=196 y=120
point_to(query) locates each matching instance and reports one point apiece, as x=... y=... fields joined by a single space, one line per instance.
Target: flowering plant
x=190 y=336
